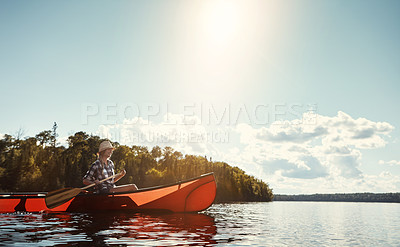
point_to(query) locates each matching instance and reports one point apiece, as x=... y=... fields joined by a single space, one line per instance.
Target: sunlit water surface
x=233 y=224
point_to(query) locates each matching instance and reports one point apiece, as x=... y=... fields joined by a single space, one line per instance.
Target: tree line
x=343 y=197
x=40 y=164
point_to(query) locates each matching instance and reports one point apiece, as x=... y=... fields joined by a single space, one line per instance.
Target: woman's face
x=108 y=152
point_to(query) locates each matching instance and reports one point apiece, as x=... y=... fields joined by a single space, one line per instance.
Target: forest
x=342 y=197
x=40 y=164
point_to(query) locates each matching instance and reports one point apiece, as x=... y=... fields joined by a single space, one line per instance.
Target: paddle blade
x=58 y=197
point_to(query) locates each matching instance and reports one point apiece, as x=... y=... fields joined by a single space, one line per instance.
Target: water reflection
x=97 y=229
x=167 y=229
x=232 y=224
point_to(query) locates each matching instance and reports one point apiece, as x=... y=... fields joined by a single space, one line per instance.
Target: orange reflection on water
x=135 y=228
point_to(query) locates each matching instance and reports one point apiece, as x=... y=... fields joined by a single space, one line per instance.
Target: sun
x=220 y=21
x=221 y=48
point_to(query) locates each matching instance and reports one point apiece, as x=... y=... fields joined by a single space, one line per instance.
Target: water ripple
x=231 y=224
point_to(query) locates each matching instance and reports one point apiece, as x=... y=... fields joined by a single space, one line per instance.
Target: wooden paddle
x=58 y=197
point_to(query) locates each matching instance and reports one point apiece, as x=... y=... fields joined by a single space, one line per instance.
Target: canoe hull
x=192 y=195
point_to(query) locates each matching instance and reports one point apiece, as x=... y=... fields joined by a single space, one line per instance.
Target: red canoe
x=191 y=195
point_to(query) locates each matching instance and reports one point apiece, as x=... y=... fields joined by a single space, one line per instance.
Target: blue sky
x=123 y=69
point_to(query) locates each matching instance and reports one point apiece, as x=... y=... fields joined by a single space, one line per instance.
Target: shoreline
x=342 y=197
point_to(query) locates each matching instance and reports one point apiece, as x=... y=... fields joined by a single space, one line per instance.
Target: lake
x=230 y=224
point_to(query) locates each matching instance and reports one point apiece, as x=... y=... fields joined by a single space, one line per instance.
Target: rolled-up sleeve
x=90 y=174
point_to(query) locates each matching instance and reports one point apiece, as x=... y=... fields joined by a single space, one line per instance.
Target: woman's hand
x=122 y=173
x=89 y=182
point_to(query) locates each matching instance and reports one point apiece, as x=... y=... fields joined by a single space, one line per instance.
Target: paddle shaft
x=93 y=184
x=59 y=197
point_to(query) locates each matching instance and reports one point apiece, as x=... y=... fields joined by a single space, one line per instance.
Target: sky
x=301 y=94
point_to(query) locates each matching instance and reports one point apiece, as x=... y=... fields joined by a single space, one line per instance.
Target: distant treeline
x=39 y=164
x=347 y=197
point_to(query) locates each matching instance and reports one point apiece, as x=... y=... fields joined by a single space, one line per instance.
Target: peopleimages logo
x=197 y=113
x=153 y=124
x=155 y=136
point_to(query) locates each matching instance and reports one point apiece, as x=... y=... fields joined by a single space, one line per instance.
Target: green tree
x=36 y=163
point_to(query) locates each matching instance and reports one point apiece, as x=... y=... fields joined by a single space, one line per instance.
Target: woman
x=104 y=168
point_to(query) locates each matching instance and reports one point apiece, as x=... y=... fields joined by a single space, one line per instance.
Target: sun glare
x=221 y=19
x=224 y=39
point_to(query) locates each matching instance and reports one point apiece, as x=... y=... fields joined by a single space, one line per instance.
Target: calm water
x=243 y=224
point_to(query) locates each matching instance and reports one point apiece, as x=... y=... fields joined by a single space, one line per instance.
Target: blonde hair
x=99 y=155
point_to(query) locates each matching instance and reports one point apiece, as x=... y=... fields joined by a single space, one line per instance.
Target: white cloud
x=391 y=163
x=341 y=130
x=63 y=141
x=327 y=150
x=360 y=133
x=183 y=133
x=313 y=154
x=384 y=182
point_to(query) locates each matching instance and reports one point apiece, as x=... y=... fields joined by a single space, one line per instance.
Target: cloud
x=327 y=148
x=360 y=133
x=313 y=154
x=383 y=182
x=183 y=133
x=286 y=133
x=346 y=165
x=391 y=163
x=312 y=169
x=341 y=130
x=63 y=141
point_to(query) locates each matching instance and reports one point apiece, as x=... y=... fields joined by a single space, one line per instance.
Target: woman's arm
x=90 y=176
x=88 y=182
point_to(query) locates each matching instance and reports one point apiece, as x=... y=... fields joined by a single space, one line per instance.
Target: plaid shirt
x=99 y=172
